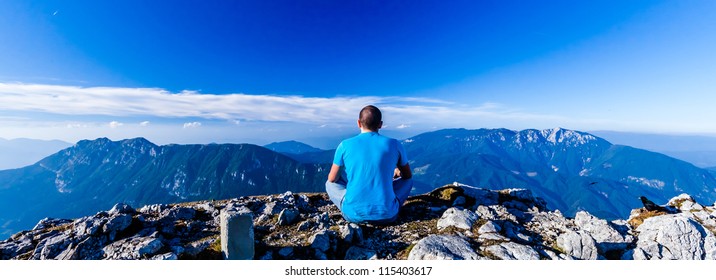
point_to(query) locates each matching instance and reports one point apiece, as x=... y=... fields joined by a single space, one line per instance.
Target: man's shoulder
x=349 y=140
x=364 y=139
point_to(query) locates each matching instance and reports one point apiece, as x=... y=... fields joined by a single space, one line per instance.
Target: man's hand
x=403 y=172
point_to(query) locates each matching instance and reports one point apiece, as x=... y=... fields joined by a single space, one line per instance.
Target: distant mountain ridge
x=93 y=175
x=302 y=152
x=291 y=147
x=22 y=152
x=571 y=170
x=698 y=150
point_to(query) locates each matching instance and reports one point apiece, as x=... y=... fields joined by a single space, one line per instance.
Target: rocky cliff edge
x=451 y=222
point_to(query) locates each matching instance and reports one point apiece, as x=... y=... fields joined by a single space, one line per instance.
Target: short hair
x=370 y=117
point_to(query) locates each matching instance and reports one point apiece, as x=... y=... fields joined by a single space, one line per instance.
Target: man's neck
x=362 y=130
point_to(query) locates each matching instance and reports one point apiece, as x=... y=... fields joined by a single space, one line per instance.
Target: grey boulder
x=442 y=247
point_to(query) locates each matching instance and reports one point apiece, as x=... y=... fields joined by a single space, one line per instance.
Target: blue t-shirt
x=368 y=160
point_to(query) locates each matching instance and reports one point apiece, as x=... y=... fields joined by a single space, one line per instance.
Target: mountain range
x=571 y=170
x=699 y=150
x=94 y=175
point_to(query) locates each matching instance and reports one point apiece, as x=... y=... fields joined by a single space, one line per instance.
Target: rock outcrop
x=451 y=222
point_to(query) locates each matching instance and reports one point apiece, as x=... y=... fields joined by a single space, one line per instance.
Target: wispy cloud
x=144 y=123
x=192 y=124
x=158 y=103
x=115 y=124
x=76 y=125
x=401 y=126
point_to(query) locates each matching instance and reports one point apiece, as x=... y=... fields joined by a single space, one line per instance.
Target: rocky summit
x=451 y=222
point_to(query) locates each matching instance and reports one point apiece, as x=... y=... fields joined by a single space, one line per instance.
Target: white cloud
x=401 y=126
x=76 y=125
x=115 y=124
x=158 y=103
x=144 y=123
x=192 y=124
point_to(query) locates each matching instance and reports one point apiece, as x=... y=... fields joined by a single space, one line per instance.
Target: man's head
x=370 y=118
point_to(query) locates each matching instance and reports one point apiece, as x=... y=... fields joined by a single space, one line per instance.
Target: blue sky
x=262 y=71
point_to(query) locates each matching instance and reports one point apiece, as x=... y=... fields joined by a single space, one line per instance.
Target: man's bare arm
x=405 y=172
x=333 y=174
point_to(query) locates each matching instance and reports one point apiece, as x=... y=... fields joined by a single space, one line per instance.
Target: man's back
x=369 y=160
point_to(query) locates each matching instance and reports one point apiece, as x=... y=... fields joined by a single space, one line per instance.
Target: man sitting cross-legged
x=361 y=181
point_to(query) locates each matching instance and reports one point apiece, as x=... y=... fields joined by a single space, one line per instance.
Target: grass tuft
x=643 y=215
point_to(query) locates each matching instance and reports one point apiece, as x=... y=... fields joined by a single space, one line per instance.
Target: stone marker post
x=237 y=233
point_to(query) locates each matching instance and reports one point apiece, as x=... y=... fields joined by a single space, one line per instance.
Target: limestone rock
x=303 y=203
x=685 y=203
x=704 y=217
x=674 y=237
x=153 y=209
x=323 y=221
x=88 y=225
x=194 y=248
x=51 y=247
x=462 y=219
x=495 y=212
x=492 y=236
x=554 y=256
x=351 y=233
x=520 y=194
x=549 y=225
x=442 y=247
x=117 y=224
x=606 y=236
x=482 y=196
x=320 y=241
x=306 y=225
x=578 y=244
x=512 y=251
x=132 y=248
x=88 y=249
x=19 y=247
x=121 y=208
x=271 y=208
x=516 y=232
x=287 y=198
x=47 y=223
x=237 y=234
x=288 y=216
x=489 y=227
x=180 y=213
x=360 y=253
x=164 y=257
x=206 y=207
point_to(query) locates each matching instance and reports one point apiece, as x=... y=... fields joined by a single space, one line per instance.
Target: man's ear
x=359 y=126
x=381 y=124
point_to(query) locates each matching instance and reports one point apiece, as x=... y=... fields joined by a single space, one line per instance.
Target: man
x=364 y=182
